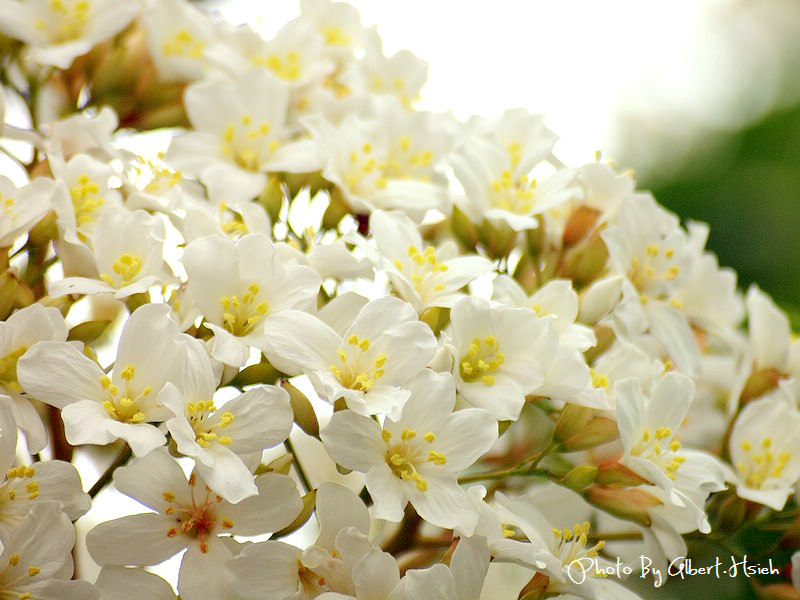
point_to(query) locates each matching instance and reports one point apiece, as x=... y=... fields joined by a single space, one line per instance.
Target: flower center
x=405 y=456
x=67 y=19
x=183 y=44
x=482 y=358
x=656 y=267
x=350 y=372
x=513 y=195
x=241 y=316
x=425 y=269
x=248 y=143
x=760 y=464
x=661 y=449
x=205 y=434
x=365 y=168
x=286 y=67
x=85 y=199
x=123 y=405
x=125 y=269
x=19 y=484
x=570 y=544
x=8 y=369
x=197 y=520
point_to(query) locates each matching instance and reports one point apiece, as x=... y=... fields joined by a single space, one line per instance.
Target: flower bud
x=464 y=229
x=88 y=331
x=616 y=473
x=580 y=223
x=497 y=238
x=623 y=502
x=585 y=262
x=759 y=383
x=580 y=428
x=599 y=299
x=304 y=414
x=44 y=231
x=337 y=209
x=263 y=372
x=309 y=504
x=579 y=478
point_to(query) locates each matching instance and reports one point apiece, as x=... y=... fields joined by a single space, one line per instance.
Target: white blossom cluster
x=458 y=306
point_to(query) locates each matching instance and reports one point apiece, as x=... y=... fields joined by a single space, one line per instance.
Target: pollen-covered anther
x=571 y=543
x=513 y=195
x=761 y=464
x=85 y=199
x=482 y=358
x=241 y=315
x=436 y=458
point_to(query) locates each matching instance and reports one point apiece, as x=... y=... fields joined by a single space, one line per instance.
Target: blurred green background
x=748 y=189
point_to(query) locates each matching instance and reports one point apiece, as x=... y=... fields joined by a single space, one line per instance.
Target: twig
x=120 y=460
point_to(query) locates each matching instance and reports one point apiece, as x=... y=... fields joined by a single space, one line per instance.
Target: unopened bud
x=309 y=504
x=263 y=372
x=436 y=318
x=497 y=238
x=464 y=229
x=580 y=223
x=535 y=589
x=579 y=478
x=304 y=414
x=598 y=300
x=8 y=293
x=281 y=465
x=617 y=473
x=727 y=512
x=759 y=383
x=623 y=502
x=585 y=262
x=581 y=428
x=88 y=331
x=44 y=231
x=337 y=209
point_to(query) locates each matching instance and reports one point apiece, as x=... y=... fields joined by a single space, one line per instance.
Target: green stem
x=121 y=458
x=299 y=467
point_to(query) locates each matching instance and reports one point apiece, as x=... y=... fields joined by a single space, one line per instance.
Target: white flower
x=648 y=246
x=567 y=548
x=278 y=571
x=37 y=561
x=556 y=298
x=128 y=250
x=240 y=134
x=364 y=353
x=421 y=274
x=295 y=55
x=98 y=408
x=121 y=583
x=765 y=451
x=499 y=354
x=401 y=75
x=188 y=514
x=20 y=332
x=416 y=458
x=237 y=285
x=21 y=208
x=25 y=486
x=218 y=439
x=496 y=172
x=338 y=22
x=389 y=161
x=57 y=31
x=648 y=426
x=178 y=37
